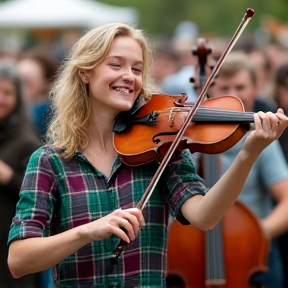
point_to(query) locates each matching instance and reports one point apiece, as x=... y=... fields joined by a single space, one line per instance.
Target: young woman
x=79 y=195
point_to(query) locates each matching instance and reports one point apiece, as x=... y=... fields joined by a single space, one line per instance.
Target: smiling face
x=8 y=98
x=116 y=82
x=240 y=85
x=34 y=83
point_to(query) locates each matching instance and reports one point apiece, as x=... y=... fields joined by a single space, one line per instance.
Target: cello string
x=215 y=261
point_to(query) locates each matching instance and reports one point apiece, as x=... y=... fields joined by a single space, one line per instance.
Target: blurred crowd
x=25 y=111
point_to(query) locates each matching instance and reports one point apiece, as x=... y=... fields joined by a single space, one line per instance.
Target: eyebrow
x=123 y=58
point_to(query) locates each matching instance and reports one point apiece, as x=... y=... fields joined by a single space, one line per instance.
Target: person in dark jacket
x=17 y=142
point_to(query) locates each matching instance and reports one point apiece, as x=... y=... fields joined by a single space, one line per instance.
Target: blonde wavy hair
x=71 y=103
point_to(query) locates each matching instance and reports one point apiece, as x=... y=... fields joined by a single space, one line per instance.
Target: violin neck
x=205 y=115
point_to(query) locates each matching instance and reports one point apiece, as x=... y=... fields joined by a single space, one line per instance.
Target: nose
x=128 y=76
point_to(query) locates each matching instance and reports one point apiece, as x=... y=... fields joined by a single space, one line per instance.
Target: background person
x=38 y=69
x=18 y=141
x=280 y=96
x=268 y=178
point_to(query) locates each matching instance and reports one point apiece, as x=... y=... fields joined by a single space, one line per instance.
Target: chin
x=125 y=105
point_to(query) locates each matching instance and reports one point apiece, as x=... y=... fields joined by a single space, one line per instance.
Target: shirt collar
x=117 y=163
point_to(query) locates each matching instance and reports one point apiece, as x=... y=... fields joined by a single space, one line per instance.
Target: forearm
x=276 y=223
x=37 y=254
x=207 y=211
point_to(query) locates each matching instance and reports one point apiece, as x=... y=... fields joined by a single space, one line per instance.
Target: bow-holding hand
x=125 y=224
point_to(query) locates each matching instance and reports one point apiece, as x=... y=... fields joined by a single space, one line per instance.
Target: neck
x=100 y=129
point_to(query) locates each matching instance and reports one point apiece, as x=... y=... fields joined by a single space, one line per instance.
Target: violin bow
x=167 y=157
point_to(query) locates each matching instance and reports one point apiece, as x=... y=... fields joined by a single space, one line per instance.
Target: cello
x=199 y=261
x=229 y=254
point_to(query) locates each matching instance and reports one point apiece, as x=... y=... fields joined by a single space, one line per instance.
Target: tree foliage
x=214 y=17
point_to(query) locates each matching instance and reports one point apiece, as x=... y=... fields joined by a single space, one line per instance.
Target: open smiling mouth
x=123 y=90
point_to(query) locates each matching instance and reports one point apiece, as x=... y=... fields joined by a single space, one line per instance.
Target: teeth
x=122 y=90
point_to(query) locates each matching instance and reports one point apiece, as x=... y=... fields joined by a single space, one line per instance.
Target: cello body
x=245 y=251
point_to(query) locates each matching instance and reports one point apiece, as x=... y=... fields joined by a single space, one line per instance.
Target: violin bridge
x=170 y=118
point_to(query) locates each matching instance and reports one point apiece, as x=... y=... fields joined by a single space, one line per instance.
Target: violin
x=163 y=152
x=218 y=124
x=150 y=122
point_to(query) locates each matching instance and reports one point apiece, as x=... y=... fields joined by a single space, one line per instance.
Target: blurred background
x=37 y=34
x=24 y=23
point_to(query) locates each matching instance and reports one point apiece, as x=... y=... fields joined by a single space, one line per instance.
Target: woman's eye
x=138 y=70
x=114 y=64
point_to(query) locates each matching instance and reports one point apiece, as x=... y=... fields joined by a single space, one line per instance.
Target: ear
x=83 y=76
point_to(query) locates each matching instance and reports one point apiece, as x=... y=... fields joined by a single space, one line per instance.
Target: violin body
x=143 y=141
x=245 y=251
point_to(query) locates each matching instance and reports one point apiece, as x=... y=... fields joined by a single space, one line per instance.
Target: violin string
x=214 y=115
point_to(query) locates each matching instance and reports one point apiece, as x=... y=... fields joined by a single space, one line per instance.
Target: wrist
x=83 y=233
x=267 y=231
x=247 y=157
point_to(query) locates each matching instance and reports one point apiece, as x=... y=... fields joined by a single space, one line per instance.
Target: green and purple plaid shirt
x=58 y=195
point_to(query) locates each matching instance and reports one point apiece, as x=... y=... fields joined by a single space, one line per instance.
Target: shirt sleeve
x=34 y=208
x=183 y=182
x=272 y=165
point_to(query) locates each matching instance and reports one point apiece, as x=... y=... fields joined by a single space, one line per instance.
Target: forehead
x=7 y=82
x=30 y=67
x=124 y=46
x=242 y=76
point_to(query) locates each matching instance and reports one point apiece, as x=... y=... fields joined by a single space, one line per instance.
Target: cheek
x=242 y=95
x=8 y=107
x=216 y=92
x=12 y=102
x=139 y=84
x=246 y=94
x=104 y=81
